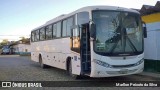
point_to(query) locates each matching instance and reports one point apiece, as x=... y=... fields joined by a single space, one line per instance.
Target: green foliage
x=4 y=42
x=25 y=40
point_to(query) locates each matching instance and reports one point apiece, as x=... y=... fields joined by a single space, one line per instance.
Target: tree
x=25 y=40
x=4 y=42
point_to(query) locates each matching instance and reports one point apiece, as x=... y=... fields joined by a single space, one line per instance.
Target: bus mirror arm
x=144 y=30
x=92 y=39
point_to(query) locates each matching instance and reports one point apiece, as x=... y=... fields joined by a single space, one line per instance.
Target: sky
x=19 y=17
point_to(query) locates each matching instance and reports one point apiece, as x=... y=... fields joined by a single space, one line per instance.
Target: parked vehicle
x=6 y=49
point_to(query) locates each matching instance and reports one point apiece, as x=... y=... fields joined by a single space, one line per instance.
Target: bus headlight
x=139 y=62
x=104 y=64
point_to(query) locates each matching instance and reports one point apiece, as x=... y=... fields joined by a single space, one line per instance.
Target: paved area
x=150 y=74
x=21 y=68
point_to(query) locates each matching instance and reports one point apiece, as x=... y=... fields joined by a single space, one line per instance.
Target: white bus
x=97 y=41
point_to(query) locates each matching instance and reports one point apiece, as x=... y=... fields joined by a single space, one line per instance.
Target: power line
x=14 y=35
x=8 y=39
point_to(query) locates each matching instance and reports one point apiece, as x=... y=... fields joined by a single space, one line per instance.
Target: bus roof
x=88 y=8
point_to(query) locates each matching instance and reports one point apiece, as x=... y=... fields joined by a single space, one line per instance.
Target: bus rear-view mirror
x=93 y=31
x=144 y=30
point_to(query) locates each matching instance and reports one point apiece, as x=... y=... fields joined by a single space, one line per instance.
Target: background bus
x=97 y=41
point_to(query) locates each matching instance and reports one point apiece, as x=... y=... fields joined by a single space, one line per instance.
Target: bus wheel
x=70 y=71
x=41 y=63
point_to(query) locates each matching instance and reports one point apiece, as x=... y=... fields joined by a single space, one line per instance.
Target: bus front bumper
x=101 y=71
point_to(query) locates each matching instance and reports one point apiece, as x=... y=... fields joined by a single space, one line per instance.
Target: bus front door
x=80 y=43
x=85 y=49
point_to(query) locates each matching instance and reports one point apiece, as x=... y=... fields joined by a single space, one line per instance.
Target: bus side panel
x=61 y=61
x=56 y=52
x=53 y=52
x=34 y=56
x=64 y=47
x=76 y=64
x=34 y=52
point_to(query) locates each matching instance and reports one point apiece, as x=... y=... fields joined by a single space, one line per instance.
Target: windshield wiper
x=126 y=38
x=114 y=46
x=118 y=30
x=131 y=44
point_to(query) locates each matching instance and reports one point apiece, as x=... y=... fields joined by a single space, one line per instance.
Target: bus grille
x=118 y=72
x=123 y=66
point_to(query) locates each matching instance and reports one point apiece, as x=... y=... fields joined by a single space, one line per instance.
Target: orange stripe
x=151 y=18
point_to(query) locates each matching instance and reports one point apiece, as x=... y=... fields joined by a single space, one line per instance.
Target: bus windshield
x=118 y=33
x=5 y=47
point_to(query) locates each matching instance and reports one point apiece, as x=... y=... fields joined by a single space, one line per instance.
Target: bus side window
x=82 y=18
x=64 y=28
x=69 y=24
x=49 y=32
x=36 y=38
x=58 y=33
x=75 y=39
x=33 y=36
x=54 y=30
x=42 y=34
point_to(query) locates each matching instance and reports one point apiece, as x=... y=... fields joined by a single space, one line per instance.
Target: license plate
x=123 y=71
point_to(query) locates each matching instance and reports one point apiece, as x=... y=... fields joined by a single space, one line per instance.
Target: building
x=151 y=16
x=21 y=47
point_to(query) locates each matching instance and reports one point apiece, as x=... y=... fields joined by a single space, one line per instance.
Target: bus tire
x=42 y=65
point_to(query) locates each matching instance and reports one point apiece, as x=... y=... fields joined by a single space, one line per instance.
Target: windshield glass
x=5 y=47
x=118 y=33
